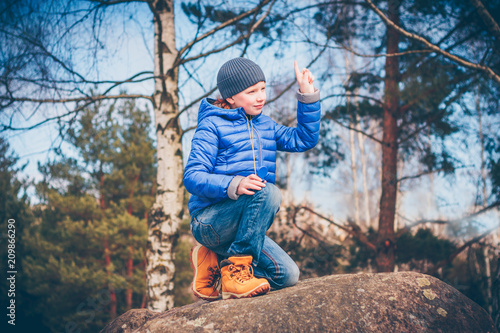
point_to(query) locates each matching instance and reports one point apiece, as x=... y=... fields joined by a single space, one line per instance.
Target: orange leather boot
x=206 y=280
x=238 y=280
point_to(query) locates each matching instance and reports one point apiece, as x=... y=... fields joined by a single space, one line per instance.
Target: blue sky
x=132 y=53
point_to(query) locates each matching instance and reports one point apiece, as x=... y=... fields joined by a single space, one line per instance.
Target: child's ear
x=230 y=100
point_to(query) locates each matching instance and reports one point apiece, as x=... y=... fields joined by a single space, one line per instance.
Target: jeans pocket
x=205 y=234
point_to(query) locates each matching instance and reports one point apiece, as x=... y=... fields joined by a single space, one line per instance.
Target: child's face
x=252 y=99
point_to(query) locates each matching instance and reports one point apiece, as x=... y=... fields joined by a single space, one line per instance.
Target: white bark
x=489 y=284
x=361 y=143
x=481 y=141
x=354 y=172
x=167 y=211
x=485 y=203
x=349 y=64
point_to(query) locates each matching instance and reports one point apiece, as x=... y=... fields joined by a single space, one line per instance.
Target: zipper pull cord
x=251 y=141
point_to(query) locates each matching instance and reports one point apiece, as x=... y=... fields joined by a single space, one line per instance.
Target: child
x=230 y=174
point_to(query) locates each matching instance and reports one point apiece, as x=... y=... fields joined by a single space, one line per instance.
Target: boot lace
x=214 y=276
x=241 y=273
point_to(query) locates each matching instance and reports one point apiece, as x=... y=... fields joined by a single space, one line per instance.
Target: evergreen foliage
x=15 y=205
x=91 y=223
x=423 y=245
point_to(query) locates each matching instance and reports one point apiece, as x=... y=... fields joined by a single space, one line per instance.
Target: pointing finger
x=297 y=71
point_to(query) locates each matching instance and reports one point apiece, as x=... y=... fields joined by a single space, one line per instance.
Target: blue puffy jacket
x=222 y=153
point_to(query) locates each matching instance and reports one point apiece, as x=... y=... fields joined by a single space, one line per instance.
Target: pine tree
x=15 y=208
x=415 y=96
x=87 y=250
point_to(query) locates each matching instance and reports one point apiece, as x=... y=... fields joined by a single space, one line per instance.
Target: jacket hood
x=208 y=109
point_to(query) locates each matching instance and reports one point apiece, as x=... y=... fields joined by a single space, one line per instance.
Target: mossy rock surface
x=383 y=302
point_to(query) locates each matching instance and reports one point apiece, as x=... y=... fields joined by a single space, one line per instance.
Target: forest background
x=99 y=103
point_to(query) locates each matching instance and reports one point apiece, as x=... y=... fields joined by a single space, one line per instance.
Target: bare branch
x=115 y=2
x=129 y=80
x=371 y=136
x=43 y=80
x=379 y=55
x=222 y=26
x=76 y=99
x=448 y=260
x=311 y=233
x=184 y=131
x=323 y=4
x=37 y=44
x=381 y=103
x=433 y=47
x=463 y=89
x=237 y=41
x=490 y=22
x=74 y=112
x=197 y=100
x=427 y=173
x=419 y=222
x=88 y=101
x=291 y=84
x=343 y=227
x=352 y=230
x=418 y=130
x=203 y=96
x=386 y=55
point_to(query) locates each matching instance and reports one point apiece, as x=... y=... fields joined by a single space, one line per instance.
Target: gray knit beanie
x=237 y=75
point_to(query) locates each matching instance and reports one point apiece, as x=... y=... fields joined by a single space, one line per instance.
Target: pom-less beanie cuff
x=237 y=75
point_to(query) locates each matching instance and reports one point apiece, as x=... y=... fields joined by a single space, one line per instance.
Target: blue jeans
x=238 y=227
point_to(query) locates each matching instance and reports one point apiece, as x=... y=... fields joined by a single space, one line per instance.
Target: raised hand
x=251 y=182
x=305 y=79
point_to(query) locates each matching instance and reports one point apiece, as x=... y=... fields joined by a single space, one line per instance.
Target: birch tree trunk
x=481 y=141
x=385 y=249
x=349 y=64
x=487 y=265
x=366 y=195
x=167 y=212
x=354 y=173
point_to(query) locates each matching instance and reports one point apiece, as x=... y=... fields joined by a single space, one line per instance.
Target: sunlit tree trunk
x=167 y=212
x=487 y=265
x=349 y=64
x=385 y=249
x=366 y=195
x=354 y=173
x=481 y=141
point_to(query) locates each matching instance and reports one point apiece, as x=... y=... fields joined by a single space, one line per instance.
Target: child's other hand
x=251 y=182
x=305 y=79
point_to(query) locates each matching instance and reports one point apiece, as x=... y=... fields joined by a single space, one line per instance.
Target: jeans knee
x=272 y=194
x=292 y=275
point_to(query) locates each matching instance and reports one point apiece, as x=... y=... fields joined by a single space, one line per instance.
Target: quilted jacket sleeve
x=305 y=136
x=199 y=178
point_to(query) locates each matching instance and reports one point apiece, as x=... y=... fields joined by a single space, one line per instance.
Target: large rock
x=386 y=302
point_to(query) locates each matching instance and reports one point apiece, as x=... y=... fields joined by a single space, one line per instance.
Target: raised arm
x=305 y=136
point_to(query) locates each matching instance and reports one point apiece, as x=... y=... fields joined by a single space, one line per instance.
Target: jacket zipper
x=260 y=146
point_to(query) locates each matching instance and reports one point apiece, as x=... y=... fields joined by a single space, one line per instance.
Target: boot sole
x=197 y=294
x=259 y=290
